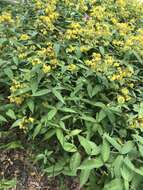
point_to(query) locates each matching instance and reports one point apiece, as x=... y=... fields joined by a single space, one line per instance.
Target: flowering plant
x=72 y=78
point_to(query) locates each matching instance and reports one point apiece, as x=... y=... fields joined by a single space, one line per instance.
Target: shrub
x=71 y=79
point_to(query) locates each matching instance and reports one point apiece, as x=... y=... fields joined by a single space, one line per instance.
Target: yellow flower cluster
x=50 y=16
x=124 y=97
x=93 y=63
x=136 y=122
x=121 y=3
x=17 y=100
x=124 y=28
x=38 y=5
x=70 y=49
x=25 y=122
x=6 y=18
x=24 y=37
x=22 y=55
x=102 y=30
x=135 y=41
x=84 y=48
x=47 y=52
x=98 y=12
x=35 y=61
x=74 y=31
x=81 y=6
x=72 y=67
x=15 y=86
x=121 y=74
x=46 y=68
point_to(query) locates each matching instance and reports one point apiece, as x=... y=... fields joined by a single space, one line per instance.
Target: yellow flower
x=123 y=28
x=31 y=119
x=36 y=61
x=121 y=3
x=17 y=100
x=22 y=55
x=70 y=49
x=72 y=67
x=24 y=37
x=46 y=68
x=84 y=48
x=6 y=18
x=109 y=60
x=98 y=12
x=96 y=57
x=127 y=97
x=54 y=62
x=38 y=5
x=120 y=99
x=131 y=85
x=125 y=91
x=74 y=31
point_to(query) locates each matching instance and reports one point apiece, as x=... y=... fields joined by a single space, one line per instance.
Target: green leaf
x=75 y=132
x=60 y=136
x=58 y=96
x=88 y=118
x=127 y=147
x=127 y=173
x=91 y=164
x=68 y=110
x=84 y=176
x=2 y=118
x=34 y=85
x=37 y=130
x=101 y=115
x=137 y=56
x=51 y=114
x=78 y=52
x=117 y=164
x=69 y=147
x=90 y=147
x=140 y=149
x=57 y=48
x=22 y=91
x=16 y=123
x=11 y=114
x=101 y=49
x=15 y=60
x=41 y=92
x=68 y=172
x=7 y=184
x=110 y=116
x=113 y=142
x=30 y=104
x=9 y=73
x=3 y=40
x=129 y=164
x=138 y=138
x=126 y=185
x=49 y=134
x=11 y=145
x=116 y=184
x=105 y=150
x=75 y=161
x=89 y=90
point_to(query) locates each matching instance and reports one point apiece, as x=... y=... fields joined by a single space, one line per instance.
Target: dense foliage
x=71 y=79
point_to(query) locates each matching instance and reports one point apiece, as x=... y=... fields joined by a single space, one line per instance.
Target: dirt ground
x=14 y=164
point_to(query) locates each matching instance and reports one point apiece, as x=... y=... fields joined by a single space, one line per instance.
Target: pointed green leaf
x=84 y=176
x=91 y=164
x=75 y=161
x=105 y=150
